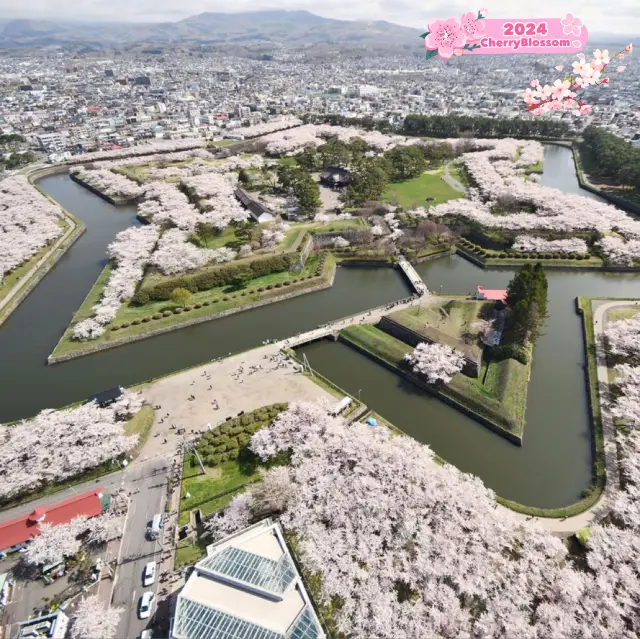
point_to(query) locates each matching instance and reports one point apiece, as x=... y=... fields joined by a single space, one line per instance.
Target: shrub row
x=510 y=351
x=227 y=440
x=220 y=276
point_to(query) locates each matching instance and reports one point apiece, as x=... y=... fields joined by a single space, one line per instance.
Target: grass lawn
x=213 y=491
x=11 y=279
x=215 y=297
x=445 y=322
x=141 y=424
x=188 y=553
x=538 y=167
x=622 y=313
x=412 y=193
x=321 y=227
x=498 y=394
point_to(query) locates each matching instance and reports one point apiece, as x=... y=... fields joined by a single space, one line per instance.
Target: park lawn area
x=228 y=236
x=141 y=424
x=459 y=172
x=444 y=321
x=412 y=193
x=538 y=167
x=212 y=491
x=622 y=313
x=321 y=227
x=215 y=297
x=188 y=553
x=11 y=279
x=498 y=395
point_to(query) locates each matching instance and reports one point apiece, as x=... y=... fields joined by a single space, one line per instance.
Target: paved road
x=147 y=483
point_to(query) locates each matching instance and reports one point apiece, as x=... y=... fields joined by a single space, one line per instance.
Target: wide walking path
x=454 y=183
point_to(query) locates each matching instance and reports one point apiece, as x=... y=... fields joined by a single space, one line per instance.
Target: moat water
x=551 y=469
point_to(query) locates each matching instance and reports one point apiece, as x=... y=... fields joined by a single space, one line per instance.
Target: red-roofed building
x=15 y=532
x=93 y=108
x=491 y=295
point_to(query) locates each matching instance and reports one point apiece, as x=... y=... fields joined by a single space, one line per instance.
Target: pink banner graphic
x=473 y=33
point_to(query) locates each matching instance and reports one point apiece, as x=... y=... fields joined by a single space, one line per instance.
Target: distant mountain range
x=266 y=28
x=256 y=27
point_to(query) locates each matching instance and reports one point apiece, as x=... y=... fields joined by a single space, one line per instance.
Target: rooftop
x=21 y=529
x=247 y=587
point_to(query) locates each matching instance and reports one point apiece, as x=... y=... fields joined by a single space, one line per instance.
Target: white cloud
x=623 y=17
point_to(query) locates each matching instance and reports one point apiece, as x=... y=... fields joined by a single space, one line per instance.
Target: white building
x=247 y=588
x=52 y=626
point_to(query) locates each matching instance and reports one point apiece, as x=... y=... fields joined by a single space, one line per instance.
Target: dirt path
x=454 y=183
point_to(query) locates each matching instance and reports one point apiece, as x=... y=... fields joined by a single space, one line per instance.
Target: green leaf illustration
x=425 y=34
x=431 y=53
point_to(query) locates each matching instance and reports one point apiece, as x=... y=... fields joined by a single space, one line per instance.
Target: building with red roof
x=491 y=295
x=16 y=532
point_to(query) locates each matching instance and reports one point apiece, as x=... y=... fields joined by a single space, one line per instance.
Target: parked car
x=146 y=601
x=149 y=575
x=147 y=634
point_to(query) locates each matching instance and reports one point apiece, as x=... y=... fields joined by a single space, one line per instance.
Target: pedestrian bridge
x=414 y=279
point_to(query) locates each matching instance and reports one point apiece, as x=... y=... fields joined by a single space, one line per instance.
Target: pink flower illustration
x=473 y=29
x=577 y=44
x=458 y=52
x=629 y=48
x=620 y=69
x=560 y=90
x=571 y=25
x=484 y=12
x=445 y=36
x=602 y=57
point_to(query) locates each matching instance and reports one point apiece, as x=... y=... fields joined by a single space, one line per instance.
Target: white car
x=147 y=634
x=149 y=575
x=146 y=601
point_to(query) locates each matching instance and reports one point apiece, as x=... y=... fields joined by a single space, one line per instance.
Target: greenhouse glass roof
x=252 y=569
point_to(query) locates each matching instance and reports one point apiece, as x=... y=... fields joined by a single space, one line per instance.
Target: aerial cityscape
x=306 y=333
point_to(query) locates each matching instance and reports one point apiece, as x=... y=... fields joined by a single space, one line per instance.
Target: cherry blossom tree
x=56 y=445
x=623 y=338
x=531 y=244
x=286 y=122
x=28 y=222
x=130 y=252
x=437 y=362
x=271 y=236
x=627 y=406
x=413 y=548
x=108 y=182
x=54 y=543
x=92 y=620
x=104 y=528
x=176 y=254
x=236 y=516
x=157 y=146
x=273 y=493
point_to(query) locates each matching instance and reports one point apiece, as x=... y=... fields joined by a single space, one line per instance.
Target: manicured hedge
x=510 y=351
x=223 y=275
x=228 y=440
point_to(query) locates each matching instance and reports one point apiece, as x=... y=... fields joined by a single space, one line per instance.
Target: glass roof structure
x=197 y=621
x=235 y=593
x=249 y=568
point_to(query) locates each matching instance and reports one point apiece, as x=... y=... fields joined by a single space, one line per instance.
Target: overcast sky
x=622 y=16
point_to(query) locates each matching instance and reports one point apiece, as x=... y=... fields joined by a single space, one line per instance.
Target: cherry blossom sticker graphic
x=476 y=34
x=571 y=25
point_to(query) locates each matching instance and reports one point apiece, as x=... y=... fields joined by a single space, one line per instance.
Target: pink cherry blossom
x=629 y=48
x=560 y=89
x=620 y=69
x=571 y=25
x=602 y=56
x=484 y=12
x=445 y=35
x=458 y=52
x=559 y=67
x=529 y=96
x=473 y=28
